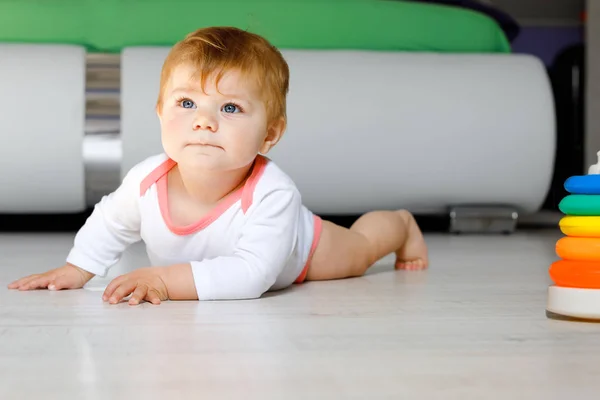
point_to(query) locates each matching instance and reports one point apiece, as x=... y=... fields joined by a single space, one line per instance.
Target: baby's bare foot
x=413 y=254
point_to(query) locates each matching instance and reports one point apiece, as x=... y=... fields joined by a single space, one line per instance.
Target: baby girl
x=218 y=218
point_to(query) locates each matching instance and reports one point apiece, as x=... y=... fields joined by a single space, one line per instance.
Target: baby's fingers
x=20 y=282
x=153 y=297
x=122 y=291
x=138 y=294
x=37 y=282
x=112 y=286
x=64 y=282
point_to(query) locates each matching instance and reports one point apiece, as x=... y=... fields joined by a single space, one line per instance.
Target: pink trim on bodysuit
x=318 y=228
x=250 y=186
x=155 y=175
x=245 y=193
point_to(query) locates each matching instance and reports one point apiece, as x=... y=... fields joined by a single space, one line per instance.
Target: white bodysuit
x=259 y=238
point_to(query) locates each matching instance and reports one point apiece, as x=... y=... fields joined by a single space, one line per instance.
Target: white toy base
x=574 y=302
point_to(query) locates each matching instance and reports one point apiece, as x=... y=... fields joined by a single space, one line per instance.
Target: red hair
x=216 y=50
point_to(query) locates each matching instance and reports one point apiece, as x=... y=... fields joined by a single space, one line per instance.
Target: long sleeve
x=113 y=225
x=266 y=242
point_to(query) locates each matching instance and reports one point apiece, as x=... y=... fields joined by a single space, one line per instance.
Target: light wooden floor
x=473 y=326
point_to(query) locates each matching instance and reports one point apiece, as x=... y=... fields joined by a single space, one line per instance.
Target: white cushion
x=42 y=126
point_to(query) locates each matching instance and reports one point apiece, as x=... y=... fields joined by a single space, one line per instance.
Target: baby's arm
x=262 y=250
x=111 y=228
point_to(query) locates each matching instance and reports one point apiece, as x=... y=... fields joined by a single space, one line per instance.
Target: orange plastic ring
x=576 y=274
x=578 y=248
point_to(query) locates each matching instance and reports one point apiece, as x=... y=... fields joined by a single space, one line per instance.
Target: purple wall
x=547 y=42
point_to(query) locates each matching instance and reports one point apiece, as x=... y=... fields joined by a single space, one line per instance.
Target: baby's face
x=219 y=130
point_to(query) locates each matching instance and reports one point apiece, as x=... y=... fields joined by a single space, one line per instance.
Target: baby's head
x=222 y=98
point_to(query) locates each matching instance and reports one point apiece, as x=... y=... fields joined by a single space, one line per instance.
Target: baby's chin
x=205 y=161
x=209 y=159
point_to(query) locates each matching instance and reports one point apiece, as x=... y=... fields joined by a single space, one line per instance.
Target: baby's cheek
x=247 y=145
x=172 y=134
x=173 y=123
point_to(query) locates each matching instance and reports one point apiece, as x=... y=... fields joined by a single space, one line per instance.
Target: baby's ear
x=274 y=133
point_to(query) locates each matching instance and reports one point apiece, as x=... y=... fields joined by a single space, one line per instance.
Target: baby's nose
x=205 y=123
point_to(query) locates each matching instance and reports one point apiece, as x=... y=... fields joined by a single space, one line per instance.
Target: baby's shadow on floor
x=384 y=272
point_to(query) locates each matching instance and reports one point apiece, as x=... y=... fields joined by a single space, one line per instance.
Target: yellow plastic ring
x=580 y=226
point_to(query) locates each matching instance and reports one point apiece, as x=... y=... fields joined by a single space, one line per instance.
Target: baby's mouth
x=205 y=145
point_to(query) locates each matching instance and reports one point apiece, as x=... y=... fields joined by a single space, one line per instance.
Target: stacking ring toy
x=580 y=204
x=583 y=184
x=578 y=248
x=577 y=274
x=580 y=226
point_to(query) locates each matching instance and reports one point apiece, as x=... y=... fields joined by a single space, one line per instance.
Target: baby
x=219 y=219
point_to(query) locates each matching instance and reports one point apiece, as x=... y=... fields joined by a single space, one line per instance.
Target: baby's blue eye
x=187 y=104
x=230 y=108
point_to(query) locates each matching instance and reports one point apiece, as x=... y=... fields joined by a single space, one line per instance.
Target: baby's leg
x=344 y=253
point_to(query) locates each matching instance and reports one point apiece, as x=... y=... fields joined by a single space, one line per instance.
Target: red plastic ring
x=576 y=274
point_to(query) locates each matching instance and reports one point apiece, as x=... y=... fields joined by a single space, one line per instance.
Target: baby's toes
x=417 y=264
x=412 y=265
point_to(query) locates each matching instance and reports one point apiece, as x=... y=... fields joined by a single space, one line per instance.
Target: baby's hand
x=66 y=277
x=145 y=284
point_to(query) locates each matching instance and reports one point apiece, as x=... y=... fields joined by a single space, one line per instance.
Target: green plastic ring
x=580 y=204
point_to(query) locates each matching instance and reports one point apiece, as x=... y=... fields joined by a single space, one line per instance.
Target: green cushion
x=580 y=204
x=111 y=25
